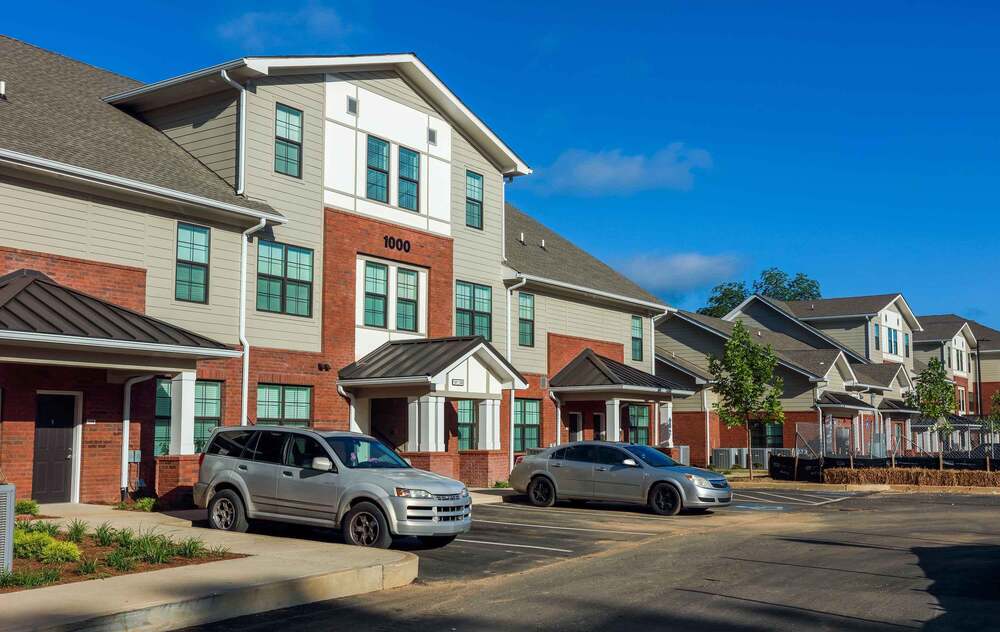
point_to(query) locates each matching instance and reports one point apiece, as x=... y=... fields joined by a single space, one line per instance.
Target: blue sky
x=686 y=142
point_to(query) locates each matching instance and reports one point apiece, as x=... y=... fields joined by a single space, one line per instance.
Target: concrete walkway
x=279 y=572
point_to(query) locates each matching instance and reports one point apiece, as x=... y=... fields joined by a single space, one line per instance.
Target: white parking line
x=595 y=513
x=544 y=526
x=794 y=500
x=789 y=499
x=519 y=546
x=754 y=498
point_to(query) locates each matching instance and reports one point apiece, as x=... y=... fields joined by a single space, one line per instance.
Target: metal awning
x=589 y=371
x=834 y=399
x=890 y=405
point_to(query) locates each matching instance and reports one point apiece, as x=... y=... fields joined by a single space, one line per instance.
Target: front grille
x=725 y=499
x=706 y=500
x=720 y=484
x=453 y=513
x=447 y=496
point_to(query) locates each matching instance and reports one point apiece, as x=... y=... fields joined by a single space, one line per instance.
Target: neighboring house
x=949 y=338
x=985 y=366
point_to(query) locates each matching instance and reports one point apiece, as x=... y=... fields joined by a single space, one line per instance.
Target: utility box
x=7 y=503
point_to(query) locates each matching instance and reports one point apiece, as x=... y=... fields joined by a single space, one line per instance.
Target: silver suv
x=327 y=479
x=618 y=472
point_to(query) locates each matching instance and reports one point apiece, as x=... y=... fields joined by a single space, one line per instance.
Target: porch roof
x=896 y=406
x=590 y=371
x=36 y=310
x=833 y=399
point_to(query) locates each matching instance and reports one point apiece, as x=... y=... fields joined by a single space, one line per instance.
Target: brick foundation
x=176 y=475
x=482 y=468
x=443 y=463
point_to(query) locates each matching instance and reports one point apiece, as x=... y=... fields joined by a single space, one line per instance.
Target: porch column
x=426 y=424
x=361 y=421
x=182 y=413
x=667 y=423
x=489 y=424
x=613 y=420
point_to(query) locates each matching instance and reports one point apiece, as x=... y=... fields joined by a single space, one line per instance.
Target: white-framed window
x=391 y=296
x=961 y=399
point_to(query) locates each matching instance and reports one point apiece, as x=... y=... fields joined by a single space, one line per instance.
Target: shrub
x=152 y=548
x=218 y=551
x=39 y=526
x=911 y=476
x=57 y=552
x=124 y=537
x=501 y=485
x=191 y=547
x=76 y=530
x=29 y=545
x=144 y=504
x=29 y=579
x=26 y=508
x=104 y=534
x=120 y=560
x=86 y=567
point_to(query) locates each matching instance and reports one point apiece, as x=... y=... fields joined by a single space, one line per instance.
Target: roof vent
x=543 y=244
x=812 y=306
x=352 y=105
x=521 y=238
x=3 y=90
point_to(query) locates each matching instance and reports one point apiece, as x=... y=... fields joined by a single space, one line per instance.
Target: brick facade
x=563 y=348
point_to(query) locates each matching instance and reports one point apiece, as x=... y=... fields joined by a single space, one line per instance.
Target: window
x=473 y=200
x=961 y=400
x=207 y=411
x=526 y=320
x=610 y=456
x=161 y=420
x=891 y=341
x=284 y=279
x=284 y=405
x=230 y=443
x=378 y=169
x=288 y=141
x=473 y=310
x=409 y=179
x=651 y=456
x=302 y=450
x=191 y=283
x=376 y=294
x=878 y=337
x=365 y=453
x=637 y=338
x=584 y=452
x=527 y=422
x=406 y=300
x=270 y=446
x=906 y=344
x=468 y=424
x=947 y=352
x=638 y=424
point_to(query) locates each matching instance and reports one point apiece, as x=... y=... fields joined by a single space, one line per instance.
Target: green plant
x=76 y=530
x=29 y=579
x=104 y=534
x=144 y=504
x=26 y=508
x=191 y=547
x=124 y=537
x=58 y=552
x=29 y=545
x=86 y=566
x=121 y=560
x=122 y=505
x=152 y=548
x=38 y=526
x=218 y=551
x=934 y=396
x=501 y=485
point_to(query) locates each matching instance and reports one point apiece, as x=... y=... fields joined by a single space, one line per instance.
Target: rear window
x=230 y=443
x=270 y=446
x=580 y=453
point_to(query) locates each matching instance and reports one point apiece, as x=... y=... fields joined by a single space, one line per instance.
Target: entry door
x=576 y=426
x=599 y=426
x=52 y=478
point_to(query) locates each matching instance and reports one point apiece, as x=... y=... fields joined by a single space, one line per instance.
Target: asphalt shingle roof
x=560 y=260
x=939 y=327
x=845 y=306
x=988 y=338
x=877 y=374
x=54 y=110
x=833 y=398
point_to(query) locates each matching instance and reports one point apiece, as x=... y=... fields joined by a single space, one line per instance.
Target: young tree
x=745 y=384
x=991 y=422
x=934 y=396
x=724 y=298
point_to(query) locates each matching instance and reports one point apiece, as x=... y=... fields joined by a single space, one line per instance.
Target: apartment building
x=949 y=339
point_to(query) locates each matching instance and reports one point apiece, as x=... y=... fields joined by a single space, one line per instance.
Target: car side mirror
x=630 y=463
x=322 y=463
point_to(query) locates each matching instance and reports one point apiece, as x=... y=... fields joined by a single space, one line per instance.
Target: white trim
x=844 y=406
x=617 y=388
x=128 y=184
x=579 y=288
x=516 y=382
x=118 y=345
x=152 y=87
x=387 y=381
x=74 y=490
x=241 y=154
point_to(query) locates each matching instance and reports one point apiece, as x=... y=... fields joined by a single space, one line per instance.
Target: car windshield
x=365 y=453
x=651 y=456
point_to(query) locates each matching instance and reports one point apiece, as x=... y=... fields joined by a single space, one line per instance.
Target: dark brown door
x=53 y=473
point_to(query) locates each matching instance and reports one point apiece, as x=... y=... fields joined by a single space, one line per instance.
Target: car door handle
x=602 y=468
x=555 y=464
x=241 y=467
x=286 y=473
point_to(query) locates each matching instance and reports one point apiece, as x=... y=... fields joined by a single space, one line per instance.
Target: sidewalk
x=489 y=495
x=279 y=573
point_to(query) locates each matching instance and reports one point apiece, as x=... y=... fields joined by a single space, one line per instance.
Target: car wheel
x=364 y=525
x=436 y=541
x=226 y=512
x=665 y=500
x=541 y=493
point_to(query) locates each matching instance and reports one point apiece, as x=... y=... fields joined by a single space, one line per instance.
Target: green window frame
x=637 y=336
x=473 y=310
x=284 y=405
x=161 y=418
x=906 y=344
x=468 y=424
x=191 y=272
x=526 y=319
x=407 y=299
x=287 y=140
x=473 y=200
x=638 y=424
x=527 y=424
x=376 y=294
x=284 y=279
x=409 y=179
x=207 y=414
x=378 y=170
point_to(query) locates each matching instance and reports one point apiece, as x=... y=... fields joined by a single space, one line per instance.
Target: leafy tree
x=934 y=396
x=802 y=288
x=745 y=383
x=773 y=283
x=725 y=298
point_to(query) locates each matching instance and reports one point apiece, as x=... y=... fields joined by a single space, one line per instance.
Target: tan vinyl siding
x=799 y=392
x=298 y=199
x=478 y=253
x=991 y=368
x=687 y=341
x=835 y=381
x=850 y=333
x=43 y=218
x=205 y=127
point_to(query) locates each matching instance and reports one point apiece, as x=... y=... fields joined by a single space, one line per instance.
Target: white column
x=182 y=413
x=429 y=413
x=613 y=420
x=489 y=424
x=655 y=421
x=667 y=423
x=361 y=420
x=412 y=424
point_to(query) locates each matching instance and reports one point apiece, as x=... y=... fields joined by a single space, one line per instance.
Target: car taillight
x=518 y=459
x=201 y=459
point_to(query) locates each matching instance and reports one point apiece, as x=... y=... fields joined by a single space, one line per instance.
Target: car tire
x=365 y=525
x=226 y=512
x=665 y=500
x=541 y=492
x=436 y=541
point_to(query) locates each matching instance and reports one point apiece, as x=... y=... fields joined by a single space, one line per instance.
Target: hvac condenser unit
x=6 y=527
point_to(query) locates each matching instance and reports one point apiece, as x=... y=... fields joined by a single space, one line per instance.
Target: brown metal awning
x=590 y=371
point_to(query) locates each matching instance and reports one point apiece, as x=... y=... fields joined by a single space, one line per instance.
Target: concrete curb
x=825 y=487
x=480 y=497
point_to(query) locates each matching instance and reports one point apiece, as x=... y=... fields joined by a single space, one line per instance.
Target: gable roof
x=33 y=307
x=941 y=327
x=54 y=119
x=850 y=306
x=588 y=369
x=881 y=375
x=834 y=399
x=408 y=65
x=562 y=261
x=987 y=337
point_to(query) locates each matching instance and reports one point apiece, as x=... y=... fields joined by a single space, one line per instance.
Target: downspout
x=351 y=415
x=558 y=403
x=245 y=383
x=510 y=436
x=126 y=423
x=652 y=339
x=708 y=423
x=242 y=115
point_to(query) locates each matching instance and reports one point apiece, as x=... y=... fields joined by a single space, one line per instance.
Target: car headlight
x=405 y=492
x=464 y=493
x=698 y=481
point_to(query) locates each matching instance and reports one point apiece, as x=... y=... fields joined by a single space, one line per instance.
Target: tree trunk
x=749 y=452
x=940 y=458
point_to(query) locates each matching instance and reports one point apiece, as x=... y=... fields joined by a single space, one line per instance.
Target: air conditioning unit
x=6 y=527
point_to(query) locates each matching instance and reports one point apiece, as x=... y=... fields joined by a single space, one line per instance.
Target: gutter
x=245 y=377
x=119 y=345
x=126 y=427
x=241 y=155
x=586 y=290
x=558 y=403
x=153 y=87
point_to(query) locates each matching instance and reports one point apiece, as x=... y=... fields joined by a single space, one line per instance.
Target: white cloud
x=587 y=173
x=264 y=29
x=678 y=273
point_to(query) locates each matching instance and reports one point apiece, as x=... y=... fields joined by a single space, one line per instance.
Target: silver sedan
x=618 y=472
